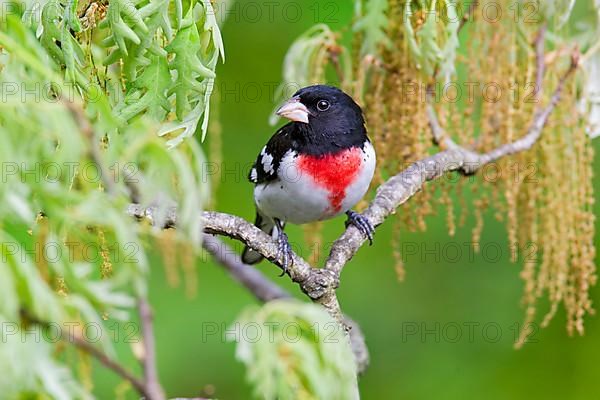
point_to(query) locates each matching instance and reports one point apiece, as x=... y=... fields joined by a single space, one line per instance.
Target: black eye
x=322 y=105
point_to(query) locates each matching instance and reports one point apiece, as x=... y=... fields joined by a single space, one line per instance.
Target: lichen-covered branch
x=236 y=228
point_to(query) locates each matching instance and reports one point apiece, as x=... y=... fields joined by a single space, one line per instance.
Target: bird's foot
x=362 y=223
x=285 y=251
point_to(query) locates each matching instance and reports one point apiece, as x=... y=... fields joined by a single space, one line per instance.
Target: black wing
x=267 y=163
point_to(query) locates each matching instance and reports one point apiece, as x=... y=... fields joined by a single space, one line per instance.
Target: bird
x=316 y=167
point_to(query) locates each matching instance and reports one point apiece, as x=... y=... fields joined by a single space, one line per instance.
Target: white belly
x=295 y=196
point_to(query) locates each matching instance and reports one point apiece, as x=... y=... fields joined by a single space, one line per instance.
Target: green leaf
x=9 y=303
x=149 y=92
x=195 y=56
x=156 y=17
x=294 y=350
x=71 y=15
x=186 y=47
x=22 y=43
x=124 y=22
x=33 y=293
x=423 y=44
x=557 y=10
x=56 y=21
x=450 y=48
x=141 y=36
x=28 y=366
x=433 y=45
x=184 y=128
x=372 y=22
x=36 y=134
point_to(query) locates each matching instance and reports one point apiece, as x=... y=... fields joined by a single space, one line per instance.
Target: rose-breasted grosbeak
x=314 y=168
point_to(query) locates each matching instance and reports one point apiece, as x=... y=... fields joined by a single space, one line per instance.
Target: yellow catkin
x=189 y=269
x=397 y=253
x=480 y=205
x=167 y=246
x=557 y=213
x=61 y=287
x=395 y=113
x=446 y=200
x=375 y=116
x=462 y=203
x=545 y=205
x=84 y=368
x=121 y=390
x=106 y=268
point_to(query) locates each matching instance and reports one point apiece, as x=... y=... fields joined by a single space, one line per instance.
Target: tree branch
x=235 y=227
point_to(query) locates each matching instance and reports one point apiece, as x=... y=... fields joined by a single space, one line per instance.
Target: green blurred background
x=446 y=332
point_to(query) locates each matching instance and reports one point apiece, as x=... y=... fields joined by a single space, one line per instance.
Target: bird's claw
x=285 y=252
x=361 y=223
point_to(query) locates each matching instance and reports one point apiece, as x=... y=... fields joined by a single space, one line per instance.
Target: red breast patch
x=333 y=172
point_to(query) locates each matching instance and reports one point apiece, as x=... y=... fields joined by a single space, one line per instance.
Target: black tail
x=267 y=225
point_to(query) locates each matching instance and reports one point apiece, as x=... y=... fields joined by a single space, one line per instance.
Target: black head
x=326 y=113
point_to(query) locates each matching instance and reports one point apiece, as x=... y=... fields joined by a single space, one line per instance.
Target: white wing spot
x=267 y=161
x=253 y=175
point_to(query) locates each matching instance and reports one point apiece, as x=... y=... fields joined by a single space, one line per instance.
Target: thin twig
x=334 y=57
x=467 y=15
x=152 y=387
x=109 y=363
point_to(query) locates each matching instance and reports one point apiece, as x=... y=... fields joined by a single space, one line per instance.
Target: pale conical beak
x=294 y=110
